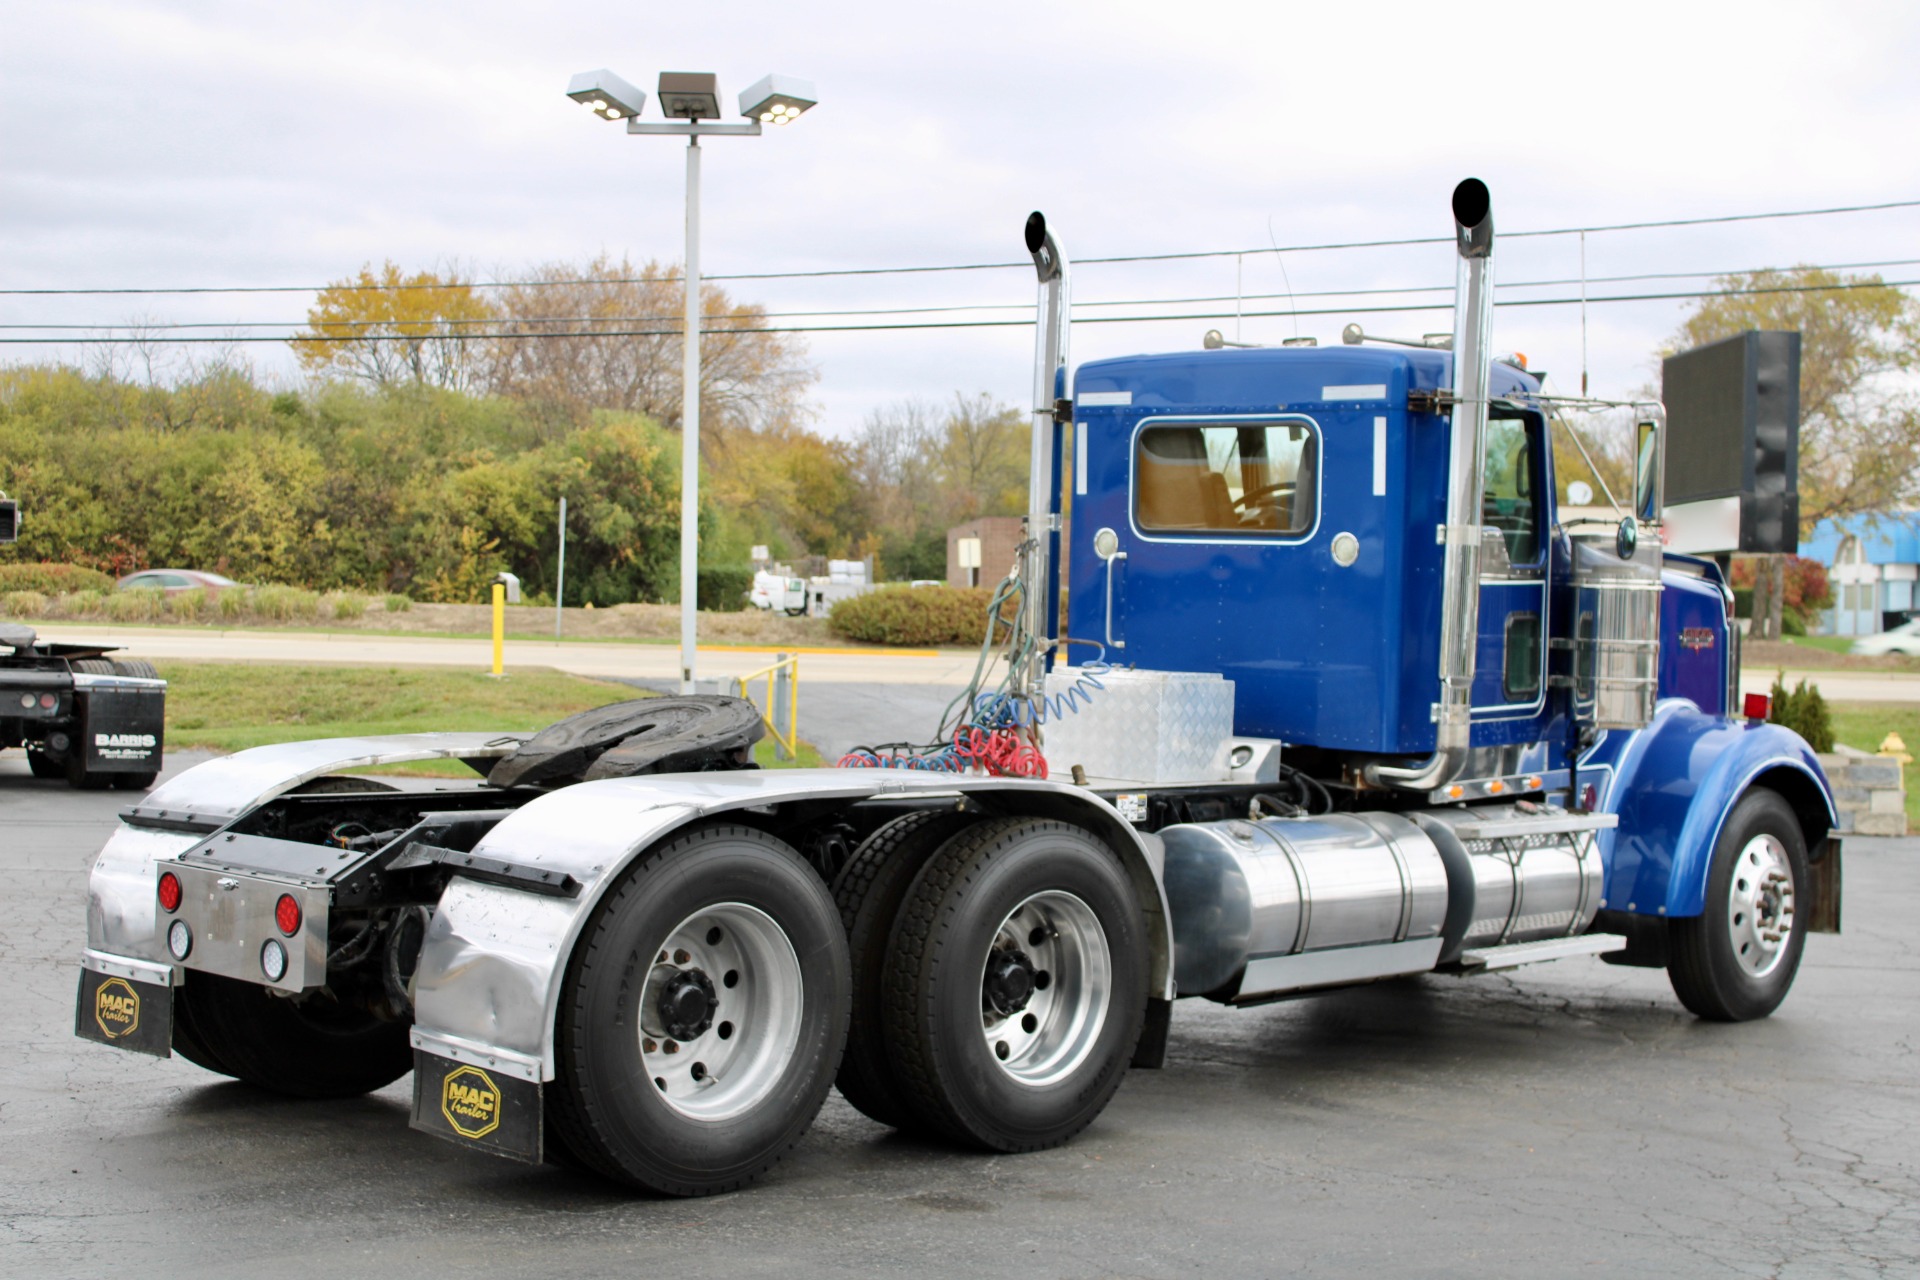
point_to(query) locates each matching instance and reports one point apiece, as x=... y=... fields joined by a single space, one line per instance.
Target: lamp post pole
x=691 y=100
x=690 y=427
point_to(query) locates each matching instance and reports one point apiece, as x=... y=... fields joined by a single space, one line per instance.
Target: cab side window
x=1226 y=478
x=1510 y=504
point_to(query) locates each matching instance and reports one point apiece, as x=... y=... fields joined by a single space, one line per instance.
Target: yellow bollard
x=499 y=625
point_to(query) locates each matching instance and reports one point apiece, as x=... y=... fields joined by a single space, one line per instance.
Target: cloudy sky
x=241 y=144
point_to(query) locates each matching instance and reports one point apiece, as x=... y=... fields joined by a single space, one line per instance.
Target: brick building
x=999 y=537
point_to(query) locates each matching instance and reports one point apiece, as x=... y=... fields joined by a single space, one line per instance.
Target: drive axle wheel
x=1736 y=960
x=869 y=891
x=1018 y=984
x=703 y=1016
x=306 y=1046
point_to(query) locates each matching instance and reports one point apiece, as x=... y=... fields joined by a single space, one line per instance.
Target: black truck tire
x=1017 y=984
x=1736 y=960
x=869 y=891
x=306 y=1047
x=138 y=668
x=44 y=766
x=703 y=1015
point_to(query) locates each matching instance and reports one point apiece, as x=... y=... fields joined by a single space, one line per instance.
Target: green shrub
x=141 y=604
x=282 y=604
x=914 y=615
x=346 y=608
x=23 y=604
x=188 y=604
x=232 y=605
x=398 y=603
x=1803 y=710
x=86 y=603
x=722 y=588
x=52 y=579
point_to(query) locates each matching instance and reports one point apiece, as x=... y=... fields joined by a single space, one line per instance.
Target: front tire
x=1018 y=985
x=1736 y=960
x=704 y=1015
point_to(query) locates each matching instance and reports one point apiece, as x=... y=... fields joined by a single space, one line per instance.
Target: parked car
x=174 y=581
x=1904 y=638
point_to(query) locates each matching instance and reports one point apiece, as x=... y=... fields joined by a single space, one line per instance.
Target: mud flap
x=125 y=1013
x=476 y=1106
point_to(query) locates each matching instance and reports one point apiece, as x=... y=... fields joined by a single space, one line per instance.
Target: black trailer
x=80 y=715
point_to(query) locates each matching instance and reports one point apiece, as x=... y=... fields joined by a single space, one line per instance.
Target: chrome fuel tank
x=1518 y=874
x=1285 y=904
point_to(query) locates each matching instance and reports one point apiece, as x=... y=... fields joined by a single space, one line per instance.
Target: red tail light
x=1759 y=706
x=286 y=914
x=169 y=892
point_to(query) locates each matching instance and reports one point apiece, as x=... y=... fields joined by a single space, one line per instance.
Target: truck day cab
x=1368 y=708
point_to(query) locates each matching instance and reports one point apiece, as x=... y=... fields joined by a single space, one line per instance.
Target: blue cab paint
x=1342 y=657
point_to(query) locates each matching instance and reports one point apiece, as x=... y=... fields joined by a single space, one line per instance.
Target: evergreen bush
x=1803 y=710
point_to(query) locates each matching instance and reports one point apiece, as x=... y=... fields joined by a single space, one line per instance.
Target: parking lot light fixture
x=777 y=99
x=606 y=95
x=691 y=101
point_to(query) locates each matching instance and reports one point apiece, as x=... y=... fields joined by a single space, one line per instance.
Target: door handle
x=1117 y=644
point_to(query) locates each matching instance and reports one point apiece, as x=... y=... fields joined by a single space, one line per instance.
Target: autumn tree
x=1859 y=426
x=1859 y=430
x=604 y=335
x=392 y=329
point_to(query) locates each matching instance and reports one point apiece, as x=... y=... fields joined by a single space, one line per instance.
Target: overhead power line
x=520 y=336
x=145 y=329
x=973 y=266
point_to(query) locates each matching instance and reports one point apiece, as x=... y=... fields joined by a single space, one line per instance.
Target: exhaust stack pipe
x=1049 y=357
x=1466 y=483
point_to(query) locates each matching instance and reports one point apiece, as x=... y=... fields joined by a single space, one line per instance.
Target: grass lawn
x=1866 y=724
x=1832 y=644
x=230 y=706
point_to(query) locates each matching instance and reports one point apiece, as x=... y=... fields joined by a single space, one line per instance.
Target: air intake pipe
x=1049 y=357
x=1466 y=482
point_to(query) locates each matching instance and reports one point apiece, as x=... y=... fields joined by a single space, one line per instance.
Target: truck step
x=1491 y=959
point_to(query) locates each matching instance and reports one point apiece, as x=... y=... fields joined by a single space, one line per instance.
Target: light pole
x=691 y=98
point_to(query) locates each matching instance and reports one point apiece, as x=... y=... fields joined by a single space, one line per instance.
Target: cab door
x=1510 y=673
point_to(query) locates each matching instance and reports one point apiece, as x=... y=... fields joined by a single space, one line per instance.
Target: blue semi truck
x=1339 y=696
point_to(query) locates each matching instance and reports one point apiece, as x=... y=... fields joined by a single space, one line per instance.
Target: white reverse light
x=179 y=939
x=273 y=961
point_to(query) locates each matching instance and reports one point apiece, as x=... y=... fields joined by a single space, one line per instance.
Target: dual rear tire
x=1003 y=1008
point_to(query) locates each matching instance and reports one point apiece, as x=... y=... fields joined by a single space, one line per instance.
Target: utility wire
x=518 y=336
x=974 y=266
x=145 y=327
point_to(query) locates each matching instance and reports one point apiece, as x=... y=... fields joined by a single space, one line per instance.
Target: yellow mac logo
x=470 y=1101
x=116 y=1008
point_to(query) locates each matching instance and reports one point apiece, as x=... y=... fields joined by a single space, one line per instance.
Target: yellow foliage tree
x=389 y=328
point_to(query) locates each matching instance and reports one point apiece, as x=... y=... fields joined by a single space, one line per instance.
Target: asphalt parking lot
x=1569 y=1119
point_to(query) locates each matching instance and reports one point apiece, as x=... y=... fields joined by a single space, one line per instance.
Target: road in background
x=1564 y=1119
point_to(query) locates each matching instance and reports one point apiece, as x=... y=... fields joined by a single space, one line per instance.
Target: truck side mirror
x=1649 y=470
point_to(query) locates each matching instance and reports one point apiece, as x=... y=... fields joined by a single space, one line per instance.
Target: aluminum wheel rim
x=1055 y=1031
x=733 y=1063
x=1760 y=906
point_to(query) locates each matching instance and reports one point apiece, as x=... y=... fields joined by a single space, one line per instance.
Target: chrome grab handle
x=1111 y=642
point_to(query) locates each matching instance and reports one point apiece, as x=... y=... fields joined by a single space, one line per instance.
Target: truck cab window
x=1510 y=505
x=1226 y=478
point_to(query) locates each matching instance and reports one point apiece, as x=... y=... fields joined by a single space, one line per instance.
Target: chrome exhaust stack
x=1049 y=357
x=1466 y=483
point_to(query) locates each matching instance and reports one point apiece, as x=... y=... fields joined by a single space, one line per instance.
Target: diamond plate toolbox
x=1141 y=726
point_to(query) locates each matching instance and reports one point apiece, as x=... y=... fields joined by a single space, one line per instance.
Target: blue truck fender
x=1674 y=784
